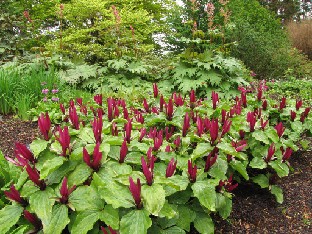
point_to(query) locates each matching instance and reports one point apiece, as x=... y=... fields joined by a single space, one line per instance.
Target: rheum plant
x=164 y=164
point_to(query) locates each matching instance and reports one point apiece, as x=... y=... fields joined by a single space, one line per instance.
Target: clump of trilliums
x=174 y=131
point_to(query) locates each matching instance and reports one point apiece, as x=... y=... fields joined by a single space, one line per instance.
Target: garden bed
x=254 y=209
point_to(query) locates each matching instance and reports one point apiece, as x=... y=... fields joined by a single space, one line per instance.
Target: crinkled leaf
x=58 y=221
x=9 y=216
x=84 y=221
x=278 y=193
x=240 y=167
x=280 y=168
x=259 y=135
x=86 y=134
x=257 y=162
x=135 y=222
x=206 y=194
x=28 y=189
x=153 y=198
x=201 y=150
x=219 y=169
x=227 y=148
x=79 y=175
x=261 y=180
x=203 y=223
x=110 y=216
x=37 y=146
x=41 y=202
x=85 y=198
x=50 y=166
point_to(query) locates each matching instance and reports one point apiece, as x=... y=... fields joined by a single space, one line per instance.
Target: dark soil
x=254 y=209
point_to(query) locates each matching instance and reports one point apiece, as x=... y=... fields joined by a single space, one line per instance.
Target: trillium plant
x=160 y=165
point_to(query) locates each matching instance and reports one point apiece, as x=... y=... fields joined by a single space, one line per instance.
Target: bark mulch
x=254 y=209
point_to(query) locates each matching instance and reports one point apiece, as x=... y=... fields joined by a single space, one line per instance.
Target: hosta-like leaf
x=41 y=202
x=79 y=175
x=219 y=169
x=185 y=218
x=223 y=205
x=153 y=198
x=28 y=189
x=86 y=134
x=278 y=193
x=202 y=149
x=110 y=217
x=58 y=221
x=135 y=222
x=9 y=216
x=168 y=210
x=37 y=146
x=240 y=167
x=280 y=168
x=259 y=135
x=82 y=222
x=50 y=166
x=227 y=148
x=86 y=198
x=206 y=194
x=261 y=180
x=203 y=223
x=257 y=162
x=272 y=134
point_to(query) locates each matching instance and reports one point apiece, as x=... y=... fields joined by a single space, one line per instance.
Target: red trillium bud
x=23 y=154
x=35 y=177
x=265 y=105
x=171 y=168
x=177 y=142
x=170 y=110
x=251 y=118
x=287 y=154
x=214 y=130
x=114 y=129
x=200 y=126
x=169 y=133
x=259 y=95
x=168 y=149
x=215 y=99
x=226 y=127
x=62 y=108
x=192 y=99
x=95 y=164
x=79 y=101
x=65 y=192
x=123 y=151
x=142 y=134
x=161 y=103
x=110 y=107
x=125 y=113
x=112 y=231
x=239 y=146
x=270 y=154
x=178 y=100
x=241 y=134
x=192 y=171
x=282 y=104
x=244 y=99
x=64 y=140
x=73 y=117
x=298 y=104
x=293 y=115
x=135 y=190
x=148 y=171
x=146 y=106
x=263 y=123
x=186 y=124
x=211 y=158
x=305 y=114
x=229 y=186
x=14 y=195
x=97 y=126
x=98 y=99
x=128 y=129
x=155 y=90
x=33 y=219
x=44 y=123
x=280 y=129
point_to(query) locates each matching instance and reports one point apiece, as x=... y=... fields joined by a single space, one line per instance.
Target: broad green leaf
x=51 y=165
x=278 y=193
x=20 y=229
x=259 y=135
x=185 y=218
x=37 y=146
x=41 y=202
x=28 y=189
x=272 y=134
x=261 y=180
x=79 y=175
x=227 y=148
x=85 y=198
x=138 y=146
x=104 y=148
x=86 y=134
x=240 y=167
x=201 y=150
x=203 y=223
x=168 y=210
x=113 y=193
x=223 y=205
x=113 y=140
x=117 y=169
x=58 y=221
x=257 y=162
x=219 y=169
x=280 y=168
x=153 y=198
x=9 y=216
x=296 y=126
x=135 y=222
x=206 y=194
x=110 y=217
x=58 y=175
x=84 y=221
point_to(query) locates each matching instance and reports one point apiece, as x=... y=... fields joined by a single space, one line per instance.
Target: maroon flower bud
x=226 y=127
x=214 y=130
x=142 y=134
x=128 y=129
x=112 y=231
x=97 y=126
x=264 y=105
x=44 y=123
x=186 y=124
x=251 y=118
x=158 y=140
x=161 y=103
x=146 y=106
x=215 y=99
x=169 y=109
x=73 y=117
x=287 y=154
x=79 y=101
x=135 y=190
x=211 y=158
x=178 y=100
x=270 y=154
x=177 y=142
x=240 y=145
x=62 y=108
x=200 y=126
x=168 y=149
x=298 y=104
x=241 y=134
x=34 y=176
x=110 y=107
x=34 y=220
x=148 y=170
x=305 y=114
x=259 y=94
x=171 y=168
x=263 y=123
x=244 y=99
x=64 y=140
x=98 y=99
x=23 y=154
x=282 y=104
x=155 y=90
x=192 y=171
x=123 y=151
x=95 y=164
x=169 y=133
x=192 y=99
x=114 y=129
x=65 y=192
x=293 y=115
x=14 y=195
x=280 y=129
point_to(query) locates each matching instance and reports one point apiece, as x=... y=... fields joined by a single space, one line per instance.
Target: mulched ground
x=254 y=210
